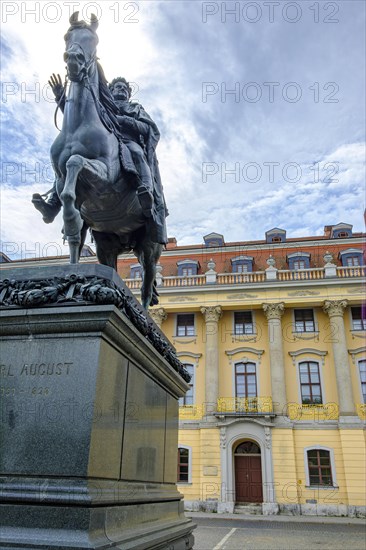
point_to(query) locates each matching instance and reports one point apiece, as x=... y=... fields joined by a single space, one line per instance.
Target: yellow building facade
x=275 y=418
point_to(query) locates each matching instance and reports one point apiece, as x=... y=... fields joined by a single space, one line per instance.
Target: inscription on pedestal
x=11 y=375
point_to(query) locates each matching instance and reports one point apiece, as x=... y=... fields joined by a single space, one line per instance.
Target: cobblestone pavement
x=249 y=534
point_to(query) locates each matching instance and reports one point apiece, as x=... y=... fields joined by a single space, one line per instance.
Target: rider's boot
x=146 y=200
x=49 y=209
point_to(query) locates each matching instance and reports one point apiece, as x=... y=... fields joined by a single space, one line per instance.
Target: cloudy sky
x=260 y=105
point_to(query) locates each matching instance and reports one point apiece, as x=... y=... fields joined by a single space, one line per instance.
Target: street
x=251 y=534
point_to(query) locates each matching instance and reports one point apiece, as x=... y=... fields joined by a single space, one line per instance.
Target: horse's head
x=81 y=47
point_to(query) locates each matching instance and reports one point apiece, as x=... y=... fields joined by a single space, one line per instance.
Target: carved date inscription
x=37 y=373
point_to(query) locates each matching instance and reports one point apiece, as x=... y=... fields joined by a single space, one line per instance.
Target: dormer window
x=276 y=235
x=214 y=240
x=341 y=231
x=135 y=271
x=242 y=264
x=187 y=268
x=298 y=260
x=352 y=257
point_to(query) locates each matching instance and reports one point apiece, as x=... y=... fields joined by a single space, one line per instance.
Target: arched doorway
x=248 y=472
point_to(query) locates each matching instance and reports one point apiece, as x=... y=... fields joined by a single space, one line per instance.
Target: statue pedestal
x=89 y=419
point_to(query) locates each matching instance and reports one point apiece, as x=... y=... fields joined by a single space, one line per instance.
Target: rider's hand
x=56 y=86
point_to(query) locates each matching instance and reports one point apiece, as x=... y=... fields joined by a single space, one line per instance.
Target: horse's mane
x=107 y=100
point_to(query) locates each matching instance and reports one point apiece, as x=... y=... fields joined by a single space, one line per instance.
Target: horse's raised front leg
x=71 y=215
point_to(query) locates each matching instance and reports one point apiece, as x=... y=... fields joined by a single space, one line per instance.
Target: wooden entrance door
x=248 y=479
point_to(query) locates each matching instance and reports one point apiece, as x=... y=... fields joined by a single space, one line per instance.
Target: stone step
x=249 y=509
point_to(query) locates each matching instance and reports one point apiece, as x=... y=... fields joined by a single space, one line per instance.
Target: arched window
x=310 y=386
x=248 y=447
x=184 y=465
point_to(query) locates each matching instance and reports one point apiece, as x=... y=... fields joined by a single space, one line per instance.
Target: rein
x=102 y=114
x=58 y=105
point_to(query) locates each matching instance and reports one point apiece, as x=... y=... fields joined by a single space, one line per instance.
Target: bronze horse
x=94 y=189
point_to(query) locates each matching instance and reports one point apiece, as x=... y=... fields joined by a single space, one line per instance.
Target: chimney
x=172 y=243
x=327 y=230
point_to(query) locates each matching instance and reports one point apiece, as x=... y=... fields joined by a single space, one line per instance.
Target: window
x=299 y=264
x=298 y=260
x=362 y=369
x=248 y=447
x=135 y=271
x=352 y=257
x=353 y=261
x=319 y=465
x=183 y=465
x=243 y=322
x=242 y=264
x=245 y=380
x=188 y=399
x=187 y=268
x=304 y=320
x=311 y=391
x=185 y=324
x=276 y=235
x=358 y=318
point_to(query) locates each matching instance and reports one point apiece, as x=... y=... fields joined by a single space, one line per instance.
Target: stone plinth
x=89 y=416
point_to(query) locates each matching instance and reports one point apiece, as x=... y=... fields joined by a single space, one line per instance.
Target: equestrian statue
x=106 y=171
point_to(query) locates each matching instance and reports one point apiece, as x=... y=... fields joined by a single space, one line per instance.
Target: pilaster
x=212 y=315
x=274 y=312
x=335 y=310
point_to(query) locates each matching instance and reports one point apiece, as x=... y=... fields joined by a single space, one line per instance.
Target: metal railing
x=361 y=410
x=314 y=412
x=247 y=405
x=191 y=412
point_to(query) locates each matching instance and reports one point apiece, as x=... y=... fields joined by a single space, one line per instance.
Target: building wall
x=285 y=437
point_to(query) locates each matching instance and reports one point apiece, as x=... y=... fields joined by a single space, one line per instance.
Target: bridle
x=85 y=80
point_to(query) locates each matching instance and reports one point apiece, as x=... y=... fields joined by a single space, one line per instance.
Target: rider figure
x=141 y=135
